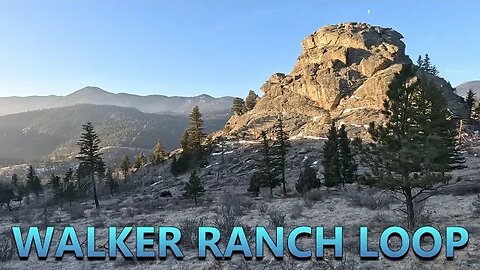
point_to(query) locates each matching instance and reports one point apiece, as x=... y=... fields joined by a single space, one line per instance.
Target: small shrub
x=476 y=206
x=129 y=213
x=263 y=208
x=76 y=212
x=315 y=195
x=7 y=249
x=423 y=216
x=369 y=199
x=189 y=227
x=276 y=218
x=227 y=218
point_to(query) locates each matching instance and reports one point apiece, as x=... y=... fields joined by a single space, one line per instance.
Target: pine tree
x=140 y=160
x=34 y=184
x=238 y=106
x=125 y=166
x=308 y=180
x=185 y=142
x=90 y=156
x=331 y=159
x=420 y=63
x=6 y=194
x=250 y=100
x=470 y=100
x=268 y=175
x=194 y=188
x=57 y=189
x=159 y=153
x=255 y=184
x=280 y=150
x=111 y=183
x=15 y=181
x=195 y=132
x=348 y=166
x=425 y=64
x=69 y=187
x=414 y=151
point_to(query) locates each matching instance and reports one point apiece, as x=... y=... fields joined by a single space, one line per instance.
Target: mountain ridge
x=52 y=134
x=94 y=95
x=463 y=88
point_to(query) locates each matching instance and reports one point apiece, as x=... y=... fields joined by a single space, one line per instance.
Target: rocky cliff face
x=342 y=74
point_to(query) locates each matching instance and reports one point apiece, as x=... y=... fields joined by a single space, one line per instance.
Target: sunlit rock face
x=342 y=74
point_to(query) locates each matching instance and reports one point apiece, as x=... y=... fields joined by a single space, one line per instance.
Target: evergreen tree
x=125 y=166
x=180 y=165
x=280 y=149
x=269 y=177
x=420 y=63
x=185 y=142
x=255 y=184
x=331 y=159
x=414 y=151
x=57 y=189
x=251 y=100
x=470 y=100
x=195 y=131
x=159 y=153
x=111 y=183
x=34 y=184
x=6 y=194
x=90 y=156
x=15 y=181
x=194 y=188
x=425 y=64
x=308 y=180
x=238 y=106
x=69 y=187
x=140 y=160
x=348 y=166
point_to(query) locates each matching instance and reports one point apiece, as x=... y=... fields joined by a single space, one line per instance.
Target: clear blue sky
x=214 y=47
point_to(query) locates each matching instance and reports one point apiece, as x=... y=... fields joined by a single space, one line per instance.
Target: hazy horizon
x=215 y=48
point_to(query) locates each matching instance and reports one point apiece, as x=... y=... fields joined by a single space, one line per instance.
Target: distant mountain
x=53 y=133
x=94 y=95
x=463 y=88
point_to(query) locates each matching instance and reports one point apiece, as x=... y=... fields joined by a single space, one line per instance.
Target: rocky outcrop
x=342 y=74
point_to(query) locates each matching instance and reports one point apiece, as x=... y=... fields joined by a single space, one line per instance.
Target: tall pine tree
x=34 y=184
x=470 y=100
x=280 y=150
x=90 y=157
x=238 y=106
x=69 y=187
x=331 y=159
x=348 y=166
x=125 y=166
x=196 y=133
x=269 y=177
x=413 y=152
x=57 y=189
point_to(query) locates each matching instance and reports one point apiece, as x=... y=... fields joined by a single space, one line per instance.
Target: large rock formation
x=342 y=74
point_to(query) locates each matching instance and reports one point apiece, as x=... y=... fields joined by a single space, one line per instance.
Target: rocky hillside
x=342 y=74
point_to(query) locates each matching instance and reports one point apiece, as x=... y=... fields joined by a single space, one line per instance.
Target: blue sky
x=215 y=47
